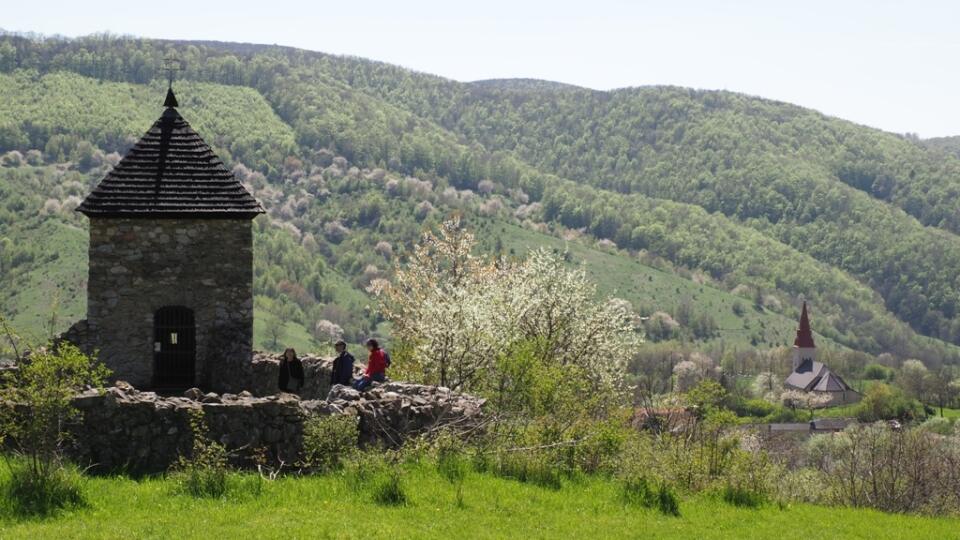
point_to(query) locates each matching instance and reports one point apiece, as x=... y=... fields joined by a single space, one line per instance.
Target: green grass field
x=326 y=507
x=56 y=285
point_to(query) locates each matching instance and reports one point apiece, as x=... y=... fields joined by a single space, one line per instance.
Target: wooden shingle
x=170 y=173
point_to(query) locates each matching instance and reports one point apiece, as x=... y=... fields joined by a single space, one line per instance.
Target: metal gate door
x=174 y=347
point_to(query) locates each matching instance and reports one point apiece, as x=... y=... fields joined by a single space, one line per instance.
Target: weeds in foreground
x=379 y=475
x=205 y=474
x=453 y=466
x=526 y=467
x=640 y=491
x=36 y=409
x=387 y=488
x=744 y=498
x=25 y=493
x=328 y=441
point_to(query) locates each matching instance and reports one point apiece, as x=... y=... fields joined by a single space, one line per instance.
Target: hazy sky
x=893 y=65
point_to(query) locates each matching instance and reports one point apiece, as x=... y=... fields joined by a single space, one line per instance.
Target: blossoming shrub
x=458 y=313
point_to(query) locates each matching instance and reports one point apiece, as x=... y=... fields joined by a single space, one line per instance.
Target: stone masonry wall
x=141 y=432
x=260 y=376
x=140 y=265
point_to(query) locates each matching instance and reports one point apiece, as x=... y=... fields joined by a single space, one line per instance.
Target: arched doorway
x=174 y=347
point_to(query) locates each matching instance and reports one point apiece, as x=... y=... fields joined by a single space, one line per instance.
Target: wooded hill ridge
x=731 y=207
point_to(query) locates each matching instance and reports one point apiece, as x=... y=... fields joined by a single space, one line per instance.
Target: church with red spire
x=808 y=375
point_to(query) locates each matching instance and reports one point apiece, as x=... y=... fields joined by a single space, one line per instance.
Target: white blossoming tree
x=797 y=399
x=440 y=305
x=558 y=309
x=457 y=313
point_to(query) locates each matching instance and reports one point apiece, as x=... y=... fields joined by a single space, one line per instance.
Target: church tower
x=803 y=347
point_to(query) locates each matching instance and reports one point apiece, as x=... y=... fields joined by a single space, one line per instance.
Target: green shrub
x=636 y=490
x=360 y=471
x=453 y=465
x=387 y=487
x=44 y=388
x=378 y=473
x=26 y=493
x=757 y=408
x=782 y=414
x=329 y=440
x=939 y=425
x=204 y=473
x=600 y=445
x=528 y=467
x=667 y=501
x=639 y=491
x=884 y=402
x=804 y=485
x=877 y=372
x=739 y=496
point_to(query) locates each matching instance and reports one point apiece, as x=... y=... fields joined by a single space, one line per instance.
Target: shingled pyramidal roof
x=170 y=173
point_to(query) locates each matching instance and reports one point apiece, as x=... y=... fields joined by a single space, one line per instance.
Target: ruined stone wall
x=140 y=432
x=260 y=376
x=140 y=265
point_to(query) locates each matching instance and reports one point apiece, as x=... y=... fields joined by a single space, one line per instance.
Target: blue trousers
x=363 y=382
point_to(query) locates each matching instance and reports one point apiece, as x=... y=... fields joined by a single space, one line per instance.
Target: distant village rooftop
x=808 y=375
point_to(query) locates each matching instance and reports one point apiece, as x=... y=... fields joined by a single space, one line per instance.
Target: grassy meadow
x=331 y=506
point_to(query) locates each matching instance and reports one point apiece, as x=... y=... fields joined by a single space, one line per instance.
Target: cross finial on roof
x=171 y=64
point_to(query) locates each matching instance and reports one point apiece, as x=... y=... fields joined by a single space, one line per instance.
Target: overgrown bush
x=738 y=496
x=25 y=493
x=803 y=485
x=877 y=372
x=387 y=487
x=939 y=425
x=34 y=424
x=329 y=440
x=204 y=473
x=378 y=473
x=894 y=470
x=638 y=490
x=885 y=402
x=453 y=464
x=756 y=408
x=527 y=466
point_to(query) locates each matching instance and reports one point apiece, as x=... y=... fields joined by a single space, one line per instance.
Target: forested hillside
x=716 y=211
x=950 y=145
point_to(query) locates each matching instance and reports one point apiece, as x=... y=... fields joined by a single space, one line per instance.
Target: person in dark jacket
x=342 y=366
x=376 y=366
x=290 y=368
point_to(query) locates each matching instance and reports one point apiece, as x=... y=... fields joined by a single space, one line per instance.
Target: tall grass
x=378 y=475
x=640 y=491
x=526 y=467
x=24 y=493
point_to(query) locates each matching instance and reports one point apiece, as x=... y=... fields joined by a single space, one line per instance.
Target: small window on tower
x=173 y=338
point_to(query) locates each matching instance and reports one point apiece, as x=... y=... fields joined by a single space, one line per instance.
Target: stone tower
x=803 y=347
x=170 y=289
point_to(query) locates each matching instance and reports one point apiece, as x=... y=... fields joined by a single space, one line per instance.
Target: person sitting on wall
x=376 y=366
x=342 y=365
x=290 y=368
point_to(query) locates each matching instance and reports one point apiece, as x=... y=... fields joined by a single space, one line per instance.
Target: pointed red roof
x=804 y=334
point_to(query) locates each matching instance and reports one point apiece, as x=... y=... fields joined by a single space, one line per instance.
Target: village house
x=808 y=375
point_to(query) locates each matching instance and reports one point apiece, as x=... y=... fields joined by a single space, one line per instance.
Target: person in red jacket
x=376 y=366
